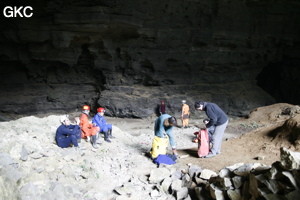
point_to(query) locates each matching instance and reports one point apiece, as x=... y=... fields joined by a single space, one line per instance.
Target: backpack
x=164 y=159
x=203 y=143
x=159 y=146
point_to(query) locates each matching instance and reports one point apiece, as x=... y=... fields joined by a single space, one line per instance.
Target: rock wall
x=129 y=55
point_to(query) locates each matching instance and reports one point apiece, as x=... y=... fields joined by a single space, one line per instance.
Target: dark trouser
x=67 y=141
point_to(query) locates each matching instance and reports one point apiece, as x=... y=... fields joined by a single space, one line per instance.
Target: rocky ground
x=33 y=167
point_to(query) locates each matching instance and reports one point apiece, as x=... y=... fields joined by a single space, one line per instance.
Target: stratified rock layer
x=129 y=55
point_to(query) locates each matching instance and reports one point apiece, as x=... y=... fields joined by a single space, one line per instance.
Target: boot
x=88 y=138
x=98 y=138
x=110 y=134
x=106 y=137
x=81 y=147
x=94 y=141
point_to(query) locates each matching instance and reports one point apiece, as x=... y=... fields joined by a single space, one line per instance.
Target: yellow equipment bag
x=159 y=146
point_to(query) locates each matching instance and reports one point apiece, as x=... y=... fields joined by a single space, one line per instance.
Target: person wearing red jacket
x=162 y=108
x=88 y=130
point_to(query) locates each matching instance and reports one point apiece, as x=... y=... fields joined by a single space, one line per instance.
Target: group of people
x=68 y=133
x=185 y=112
x=216 y=124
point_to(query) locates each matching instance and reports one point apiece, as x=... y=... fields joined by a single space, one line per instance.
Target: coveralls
x=185 y=115
x=101 y=122
x=87 y=129
x=160 y=130
x=218 y=120
x=65 y=135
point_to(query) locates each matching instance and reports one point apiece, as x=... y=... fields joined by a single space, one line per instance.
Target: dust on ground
x=255 y=139
x=125 y=159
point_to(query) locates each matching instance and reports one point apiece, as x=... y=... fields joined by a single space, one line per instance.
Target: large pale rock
x=237 y=181
x=194 y=170
x=187 y=181
x=206 y=174
x=226 y=183
x=289 y=159
x=272 y=184
x=244 y=170
x=225 y=172
x=235 y=166
x=182 y=193
x=176 y=185
x=159 y=174
x=165 y=185
x=126 y=189
x=216 y=193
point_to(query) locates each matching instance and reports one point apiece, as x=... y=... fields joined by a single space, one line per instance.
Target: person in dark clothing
x=210 y=130
x=217 y=120
x=162 y=108
x=67 y=133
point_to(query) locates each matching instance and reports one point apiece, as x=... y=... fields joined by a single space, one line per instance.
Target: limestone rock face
x=128 y=55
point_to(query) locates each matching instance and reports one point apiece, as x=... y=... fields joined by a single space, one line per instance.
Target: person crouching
x=67 y=133
x=100 y=121
x=88 y=129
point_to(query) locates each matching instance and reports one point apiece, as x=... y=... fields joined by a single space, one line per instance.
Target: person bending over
x=217 y=120
x=164 y=126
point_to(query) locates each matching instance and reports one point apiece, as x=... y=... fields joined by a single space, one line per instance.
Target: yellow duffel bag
x=159 y=146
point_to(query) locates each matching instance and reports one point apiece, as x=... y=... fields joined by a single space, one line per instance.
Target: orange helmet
x=86 y=107
x=101 y=110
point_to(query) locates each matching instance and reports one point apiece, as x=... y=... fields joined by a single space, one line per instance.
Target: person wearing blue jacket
x=100 y=121
x=163 y=126
x=67 y=133
x=217 y=120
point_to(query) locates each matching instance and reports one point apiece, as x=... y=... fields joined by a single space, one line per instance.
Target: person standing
x=162 y=108
x=100 y=121
x=185 y=113
x=88 y=130
x=67 y=133
x=164 y=126
x=217 y=120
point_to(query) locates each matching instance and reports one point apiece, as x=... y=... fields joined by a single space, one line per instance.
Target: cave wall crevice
x=128 y=55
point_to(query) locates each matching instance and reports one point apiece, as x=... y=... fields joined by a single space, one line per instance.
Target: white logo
x=15 y=11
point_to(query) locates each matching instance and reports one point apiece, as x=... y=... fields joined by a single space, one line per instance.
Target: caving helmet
x=86 y=107
x=102 y=110
x=64 y=118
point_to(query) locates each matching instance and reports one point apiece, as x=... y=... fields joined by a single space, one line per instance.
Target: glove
x=175 y=152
